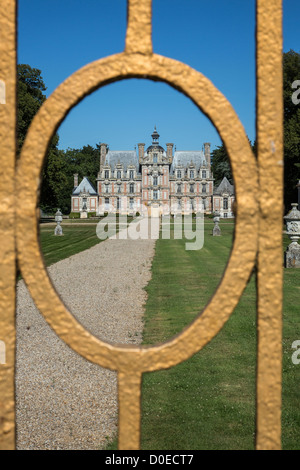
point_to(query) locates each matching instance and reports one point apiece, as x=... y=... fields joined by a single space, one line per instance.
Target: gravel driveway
x=63 y=401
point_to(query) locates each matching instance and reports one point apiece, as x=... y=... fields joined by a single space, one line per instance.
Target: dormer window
x=204 y=174
x=225 y=203
x=154 y=180
x=178 y=173
x=155 y=158
x=131 y=174
x=118 y=174
x=191 y=174
x=106 y=174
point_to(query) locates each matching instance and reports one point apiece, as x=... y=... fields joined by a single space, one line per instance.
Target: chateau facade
x=153 y=181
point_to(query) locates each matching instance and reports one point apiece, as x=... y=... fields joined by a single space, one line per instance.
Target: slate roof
x=85 y=185
x=184 y=158
x=224 y=186
x=126 y=158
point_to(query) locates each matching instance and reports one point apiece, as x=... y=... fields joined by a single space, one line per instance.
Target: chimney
x=75 y=180
x=141 y=152
x=207 y=153
x=103 y=151
x=170 y=151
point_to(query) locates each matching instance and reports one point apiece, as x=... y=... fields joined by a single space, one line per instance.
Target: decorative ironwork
x=254 y=219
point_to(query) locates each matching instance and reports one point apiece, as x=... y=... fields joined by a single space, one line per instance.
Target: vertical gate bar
x=270 y=255
x=7 y=221
x=139 y=26
x=129 y=393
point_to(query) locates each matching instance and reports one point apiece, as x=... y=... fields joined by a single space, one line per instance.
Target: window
x=119 y=188
x=192 y=204
x=204 y=188
x=131 y=203
x=118 y=174
x=204 y=174
x=179 y=188
x=107 y=203
x=155 y=195
x=225 y=215
x=118 y=203
x=179 y=203
x=178 y=174
x=84 y=203
x=225 y=203
x=106 y=174
x=131 y=174
x=107 y=188
x=155 y=158
x=192 y=174
x=191 y=188
x=131 y=188
x=154 y=180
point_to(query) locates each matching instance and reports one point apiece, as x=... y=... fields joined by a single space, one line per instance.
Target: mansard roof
x=84 y=186
x=123 y=157
x=224 y=187
x=185 y=158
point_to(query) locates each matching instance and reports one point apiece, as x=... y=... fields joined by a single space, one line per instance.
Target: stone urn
x=58 y=220
x=292 y=254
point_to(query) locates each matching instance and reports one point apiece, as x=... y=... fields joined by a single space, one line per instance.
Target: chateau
x=153 y=181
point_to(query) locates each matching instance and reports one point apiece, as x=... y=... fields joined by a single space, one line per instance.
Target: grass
x=76 y=238
x=208 y=401
x=73 y=241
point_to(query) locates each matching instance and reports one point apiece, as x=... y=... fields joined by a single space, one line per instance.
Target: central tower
x=155 y=167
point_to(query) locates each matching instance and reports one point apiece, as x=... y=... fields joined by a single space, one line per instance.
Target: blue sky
x=216 y=37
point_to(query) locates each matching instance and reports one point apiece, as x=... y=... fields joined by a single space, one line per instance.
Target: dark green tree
x=291 y=73
x=220 y=165
x=30 y=98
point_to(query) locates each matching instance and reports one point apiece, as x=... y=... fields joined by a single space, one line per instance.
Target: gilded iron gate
x=258 y=233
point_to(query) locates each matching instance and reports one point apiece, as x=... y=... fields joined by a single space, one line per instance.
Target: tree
x=291 y=72
x=221 y=165
x=30 y=98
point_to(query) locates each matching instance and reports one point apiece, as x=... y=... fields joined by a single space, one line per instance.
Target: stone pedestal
x=292 y=254
x=58 y=230
x=83 y=215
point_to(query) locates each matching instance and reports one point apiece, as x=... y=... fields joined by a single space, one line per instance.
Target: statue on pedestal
x=292 y=254
x=58 y=220
x=216 y=230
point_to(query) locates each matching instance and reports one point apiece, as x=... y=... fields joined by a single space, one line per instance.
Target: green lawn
x=208 y=402
x=74 y=240
x=78 y=235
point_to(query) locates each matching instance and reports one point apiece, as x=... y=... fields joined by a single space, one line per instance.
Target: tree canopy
x=60 y=165
x=30 y=98
x=291 y=73
x=291 y=117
